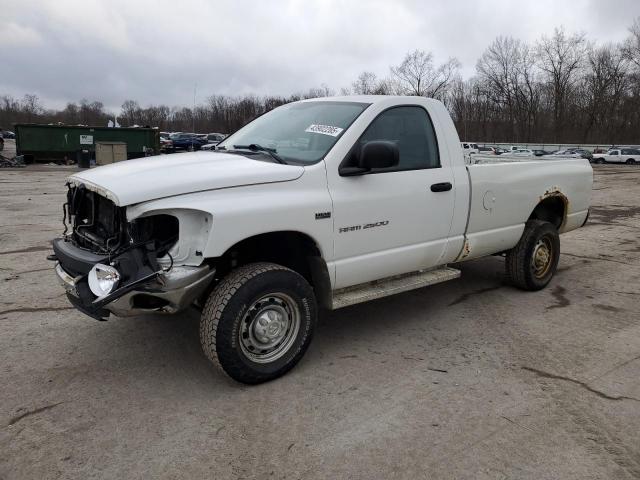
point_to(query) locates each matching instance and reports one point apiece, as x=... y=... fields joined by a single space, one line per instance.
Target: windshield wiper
x=254 y=147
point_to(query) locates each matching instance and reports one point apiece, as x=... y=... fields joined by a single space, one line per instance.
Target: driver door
x=394 y=220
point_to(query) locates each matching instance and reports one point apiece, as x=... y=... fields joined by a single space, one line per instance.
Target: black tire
x=599 y=161
x=524 y=262
x=240 y=300
x=631 y=161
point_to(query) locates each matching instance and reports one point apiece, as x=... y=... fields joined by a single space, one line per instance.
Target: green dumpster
x=41 y=143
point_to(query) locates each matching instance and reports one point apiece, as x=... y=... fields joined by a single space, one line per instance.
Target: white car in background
x=469 y=149
x=630 y=156
x=213 y=139
x=523 y=152
x=564 y=154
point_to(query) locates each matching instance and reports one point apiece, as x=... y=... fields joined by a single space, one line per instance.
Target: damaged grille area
x=100 y=226
x=97 y=224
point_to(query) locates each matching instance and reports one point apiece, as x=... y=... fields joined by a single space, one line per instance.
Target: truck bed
x=504 y=194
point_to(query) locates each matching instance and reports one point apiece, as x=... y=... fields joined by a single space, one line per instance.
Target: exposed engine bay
x=109 y=264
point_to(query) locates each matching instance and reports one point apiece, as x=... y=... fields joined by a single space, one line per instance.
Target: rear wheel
x=258 y=322
x=531 y=264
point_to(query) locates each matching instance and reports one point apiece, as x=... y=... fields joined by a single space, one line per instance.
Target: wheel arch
x=552 y=207
x=290 y=248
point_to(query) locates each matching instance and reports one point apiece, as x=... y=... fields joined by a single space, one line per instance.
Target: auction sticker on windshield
x=324 y=130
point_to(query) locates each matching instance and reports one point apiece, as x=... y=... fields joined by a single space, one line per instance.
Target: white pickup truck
x=321 y=203
x=630 y=156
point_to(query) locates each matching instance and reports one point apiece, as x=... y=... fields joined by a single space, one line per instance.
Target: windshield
x=298 y=132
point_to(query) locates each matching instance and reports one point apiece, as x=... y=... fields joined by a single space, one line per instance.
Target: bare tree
x=368 y=83
x=506 y=72
x=317 y=92
x=130 y=112
x=91 y=113
x=603 y=89
x=31 y=107
x=365 y=84
x=498 y=71
x=417 y=75
x=631 y=49
x=561 y=58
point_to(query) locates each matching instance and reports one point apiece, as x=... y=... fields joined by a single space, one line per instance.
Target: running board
x=390 y=286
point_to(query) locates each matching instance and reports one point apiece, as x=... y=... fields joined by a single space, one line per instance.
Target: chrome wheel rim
x=269 y=328
x=542 y=257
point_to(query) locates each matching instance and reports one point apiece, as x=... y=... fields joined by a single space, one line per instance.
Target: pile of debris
x=15 y=162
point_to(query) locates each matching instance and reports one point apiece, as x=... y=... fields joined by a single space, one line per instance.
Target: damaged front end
x=110 y=265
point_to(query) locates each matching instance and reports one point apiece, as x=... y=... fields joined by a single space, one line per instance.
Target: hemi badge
x=323 y=215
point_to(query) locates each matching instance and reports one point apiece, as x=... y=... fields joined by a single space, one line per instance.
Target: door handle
x=441 y=187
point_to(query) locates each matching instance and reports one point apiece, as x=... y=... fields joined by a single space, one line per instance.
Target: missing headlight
x=161 y=228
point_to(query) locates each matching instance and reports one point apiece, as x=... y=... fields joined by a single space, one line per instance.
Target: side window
x=614 y=152
x=411 y=129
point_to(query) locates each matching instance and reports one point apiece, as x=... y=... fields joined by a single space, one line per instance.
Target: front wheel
x=631 y=161
x=258 y=322
x=530 y=265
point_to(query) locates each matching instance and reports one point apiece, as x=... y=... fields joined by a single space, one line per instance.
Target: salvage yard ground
x=467 y=379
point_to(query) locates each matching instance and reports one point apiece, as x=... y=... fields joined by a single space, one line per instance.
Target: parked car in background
x=484 y=150
x=539 y=152
x=523 y=152
x=630 y=156
x=8 y=134
x=186 y=141
x=166 y=144
x=212 y=140
x=582 y=152
x=564 y=154
x=469 y=149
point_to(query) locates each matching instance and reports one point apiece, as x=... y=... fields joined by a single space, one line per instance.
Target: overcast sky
x=155 y=51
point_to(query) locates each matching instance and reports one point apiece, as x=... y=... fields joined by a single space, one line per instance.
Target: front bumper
x=148 y=291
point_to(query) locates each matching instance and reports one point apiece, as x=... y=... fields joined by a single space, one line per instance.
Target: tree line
x=561 y=88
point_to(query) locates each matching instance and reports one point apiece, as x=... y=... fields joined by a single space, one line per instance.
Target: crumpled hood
x=144 y=179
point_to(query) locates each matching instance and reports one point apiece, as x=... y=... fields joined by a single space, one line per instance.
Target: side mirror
x=373 y=155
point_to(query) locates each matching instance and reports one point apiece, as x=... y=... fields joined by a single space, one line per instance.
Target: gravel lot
x=468 y=379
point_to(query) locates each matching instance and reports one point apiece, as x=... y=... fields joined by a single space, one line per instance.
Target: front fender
x=194 y=230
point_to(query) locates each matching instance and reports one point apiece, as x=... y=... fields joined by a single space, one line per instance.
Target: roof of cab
x=367 y=98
